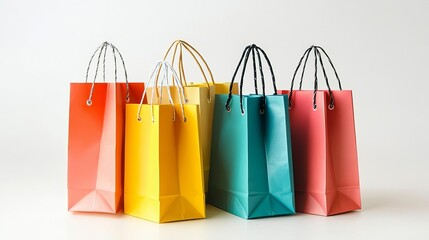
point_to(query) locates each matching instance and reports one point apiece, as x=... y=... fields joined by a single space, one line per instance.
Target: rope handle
x=318 y=58
x=165 y=66
x=100 y=50
x=196 y=56
x=245 y=56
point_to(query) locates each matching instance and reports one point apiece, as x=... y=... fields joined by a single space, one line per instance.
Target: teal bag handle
x=245 y=55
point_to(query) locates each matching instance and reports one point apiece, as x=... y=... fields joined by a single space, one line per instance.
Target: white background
x=380 y=49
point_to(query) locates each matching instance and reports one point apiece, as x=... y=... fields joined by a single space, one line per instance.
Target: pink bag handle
x=317 y=57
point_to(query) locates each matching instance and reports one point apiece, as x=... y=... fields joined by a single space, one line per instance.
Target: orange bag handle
x=103 y=48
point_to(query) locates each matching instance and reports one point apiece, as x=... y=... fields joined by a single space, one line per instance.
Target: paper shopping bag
x=163 y=165
x=96 y=138
x=202 y=94
x=251 y=159
x=324 y=146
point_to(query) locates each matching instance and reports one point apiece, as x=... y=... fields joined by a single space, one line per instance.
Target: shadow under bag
x=324 y=145
x=251 y=158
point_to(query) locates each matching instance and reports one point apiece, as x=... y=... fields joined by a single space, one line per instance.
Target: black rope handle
x=245 y=55
x=103 y=49
x=255 y=75
x=318 y=56
x=252 y=49
x=261 y=72
x=303 y=68
x=233 y=78
x=316 y=84
x=331 y=96
x=332 y=66
x=271 y=69
x=330 y=61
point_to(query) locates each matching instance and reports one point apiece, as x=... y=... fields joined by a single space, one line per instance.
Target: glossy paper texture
x=163 y=166
x=325 y=153
x=204 y=96
x=95 y=147
x=251 y=159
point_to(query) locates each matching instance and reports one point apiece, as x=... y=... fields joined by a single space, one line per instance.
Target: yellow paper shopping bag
x=200 y=93
x=163 y=165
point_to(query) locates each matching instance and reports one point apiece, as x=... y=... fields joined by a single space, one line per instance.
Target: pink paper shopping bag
x=323 y=145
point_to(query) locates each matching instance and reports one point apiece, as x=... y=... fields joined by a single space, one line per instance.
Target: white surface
x=380 y=49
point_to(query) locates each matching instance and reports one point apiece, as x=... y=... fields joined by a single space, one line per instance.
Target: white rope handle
x=170 y=99
x=179 y=86
x=157 y=66
x=165 y=66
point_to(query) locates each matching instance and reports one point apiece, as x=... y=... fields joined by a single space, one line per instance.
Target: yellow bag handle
x=195 y=55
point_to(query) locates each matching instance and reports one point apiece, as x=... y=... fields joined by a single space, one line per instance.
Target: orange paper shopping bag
x=96 y=139
x=324 y=145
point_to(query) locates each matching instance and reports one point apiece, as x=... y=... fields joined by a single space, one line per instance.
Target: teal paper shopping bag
x=251 y=159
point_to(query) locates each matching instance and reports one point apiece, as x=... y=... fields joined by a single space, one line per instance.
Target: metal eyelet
x=243 y=112
x=314 y=107
x=331 y=107
x=89 y=102
x=228 y=109
x=139 y=119
x=261 y=111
